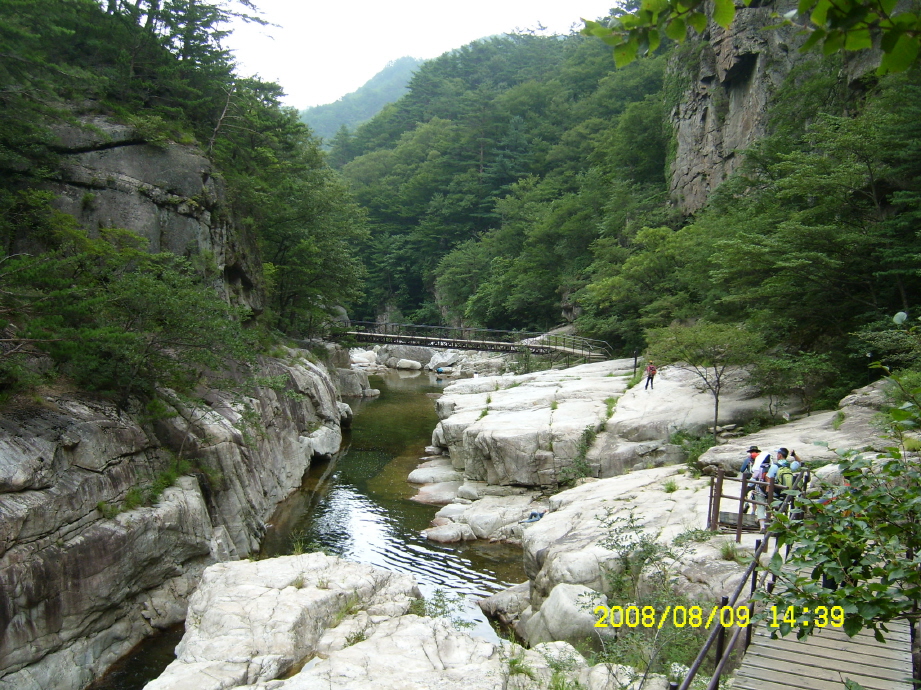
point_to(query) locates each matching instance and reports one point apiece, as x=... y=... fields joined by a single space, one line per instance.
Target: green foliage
x=696 y=535
x=443 y=604
x=693 y=446
x=486 y=183
x=112 y=317
x=837 y=27
x=729 y=551
x=642 y=575
x=579 y=467
x=518 y=665
x=161 y=69
x=355 y=638
x=670 y=486
x=862 y=542
x=778 y=376
x=609 y=404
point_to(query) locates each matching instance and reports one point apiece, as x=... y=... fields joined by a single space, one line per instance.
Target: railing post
x=717 y=494
x=721 y=635
x=741 y=507
x=751 y=603
x=710 y=525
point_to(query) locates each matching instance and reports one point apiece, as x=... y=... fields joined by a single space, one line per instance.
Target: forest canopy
x=522 y=183
x=159 y=67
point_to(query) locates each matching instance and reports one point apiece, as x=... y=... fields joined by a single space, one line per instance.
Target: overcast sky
x=324 y=49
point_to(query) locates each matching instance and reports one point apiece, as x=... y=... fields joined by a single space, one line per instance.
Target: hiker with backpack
x=650 y=375
x=783 y=478
x=747 y=467
x=761 y=466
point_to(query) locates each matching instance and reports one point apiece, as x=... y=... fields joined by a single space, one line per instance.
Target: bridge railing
x=752 y=578
x=558 y=346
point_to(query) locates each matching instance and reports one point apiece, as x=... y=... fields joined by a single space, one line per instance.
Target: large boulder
x=316 y=622
x=567 y=545
x=353 y=383
x=526 y=430
x=250 y=622
x=568 y=615
x=817 y=438
x=422 y=355
x=679 y=402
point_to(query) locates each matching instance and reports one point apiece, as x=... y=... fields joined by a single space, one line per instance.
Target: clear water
x=357 y=506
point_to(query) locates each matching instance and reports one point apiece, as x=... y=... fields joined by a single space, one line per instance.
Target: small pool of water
x=358 y=506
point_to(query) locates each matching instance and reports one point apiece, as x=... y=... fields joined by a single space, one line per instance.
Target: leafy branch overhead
x=835 y=25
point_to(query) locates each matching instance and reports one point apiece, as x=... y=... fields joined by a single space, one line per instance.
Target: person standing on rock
x=650 y=375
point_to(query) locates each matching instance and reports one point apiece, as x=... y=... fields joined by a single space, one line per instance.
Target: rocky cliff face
x=80 y=586
x=86 y=571
x=110 y=177
x=724 y=82
x=722 y=85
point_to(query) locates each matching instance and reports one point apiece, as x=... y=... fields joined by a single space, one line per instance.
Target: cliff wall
x=111 y=177
x=722 y=84
x=86 y=571
x=79 y=588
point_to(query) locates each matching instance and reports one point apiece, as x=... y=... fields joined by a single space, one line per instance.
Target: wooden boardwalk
x=825 y=659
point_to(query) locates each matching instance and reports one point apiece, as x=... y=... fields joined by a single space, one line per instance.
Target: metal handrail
x=570 y=345
x=718 y=629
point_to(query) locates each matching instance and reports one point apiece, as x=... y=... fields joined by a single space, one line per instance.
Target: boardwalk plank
x=824 y=659
x=875 y=656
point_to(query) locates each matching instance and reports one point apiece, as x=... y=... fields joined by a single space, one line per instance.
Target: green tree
x=112 y=317
x=836 y=26
x=707 y=350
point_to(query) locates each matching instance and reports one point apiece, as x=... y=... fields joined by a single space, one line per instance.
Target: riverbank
x=91 y=562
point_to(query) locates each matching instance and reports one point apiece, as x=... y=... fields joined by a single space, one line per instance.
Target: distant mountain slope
x=351 y=110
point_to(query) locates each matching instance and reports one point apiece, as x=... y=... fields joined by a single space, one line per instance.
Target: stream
x=358 y=506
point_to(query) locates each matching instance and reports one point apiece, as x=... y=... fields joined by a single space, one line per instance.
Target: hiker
x=783 y=478
x=761 y=465
x=751 y=454
x=747 y=466
x=650 y=375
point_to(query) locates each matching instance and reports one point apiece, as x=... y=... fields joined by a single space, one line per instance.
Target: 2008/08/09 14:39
x=726 y=616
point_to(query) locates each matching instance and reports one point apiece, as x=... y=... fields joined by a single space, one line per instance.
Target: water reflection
x=358 y=505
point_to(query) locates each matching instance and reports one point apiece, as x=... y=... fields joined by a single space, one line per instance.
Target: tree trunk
x=716 y=413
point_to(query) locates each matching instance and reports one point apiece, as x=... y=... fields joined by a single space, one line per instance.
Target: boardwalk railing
x=555 y=346
x=751 y=491
x=717 y=637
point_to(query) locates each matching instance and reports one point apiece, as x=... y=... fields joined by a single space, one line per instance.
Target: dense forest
x=520 y=183
x=111 y=316
x=523 y=178
x=361 y=105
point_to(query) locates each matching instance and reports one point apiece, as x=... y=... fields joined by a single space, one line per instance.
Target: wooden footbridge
x=552 y=345
x=824 y=660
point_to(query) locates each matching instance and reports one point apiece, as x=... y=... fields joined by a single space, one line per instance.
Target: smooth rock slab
x=438 y=494
x=250 y=622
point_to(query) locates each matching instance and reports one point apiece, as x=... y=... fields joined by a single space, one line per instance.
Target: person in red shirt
x=650 y=375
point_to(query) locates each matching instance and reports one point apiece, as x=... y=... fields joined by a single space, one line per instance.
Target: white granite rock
x=250 y=622
x=568 y=615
